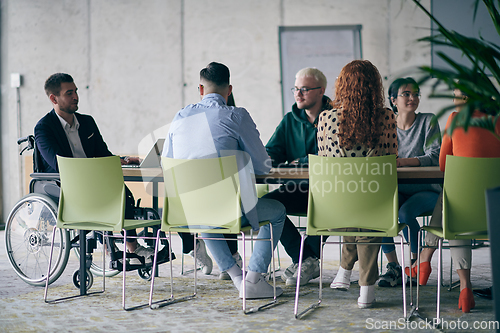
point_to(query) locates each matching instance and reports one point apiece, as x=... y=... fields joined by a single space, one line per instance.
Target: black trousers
x=294 y=197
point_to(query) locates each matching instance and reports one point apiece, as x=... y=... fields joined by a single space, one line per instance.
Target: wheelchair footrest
x=117 y=264
x=162 y=257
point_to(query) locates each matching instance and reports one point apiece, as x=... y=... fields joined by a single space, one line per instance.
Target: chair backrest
x=353 y=192
x=92 y=193
x=464 y=207
x=201 y=192
x=262 y=189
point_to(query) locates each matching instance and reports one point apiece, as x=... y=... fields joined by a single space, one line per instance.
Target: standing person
x=65 y=132
x=418 y=145
x=210 y=129
x=292 y=141
x=348 y=131
x=476 y=142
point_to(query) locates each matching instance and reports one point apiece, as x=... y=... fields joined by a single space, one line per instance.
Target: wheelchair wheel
x=28 y=237
x=96 y=266
x=76 y=279
x=145 y=273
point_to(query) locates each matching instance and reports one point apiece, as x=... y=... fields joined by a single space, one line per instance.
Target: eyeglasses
x=303 y=90
x=407 y=95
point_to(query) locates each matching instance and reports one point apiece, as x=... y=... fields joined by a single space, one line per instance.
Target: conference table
x=406 y=175
x=154 y=176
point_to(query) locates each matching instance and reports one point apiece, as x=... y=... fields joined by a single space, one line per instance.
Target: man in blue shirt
x=211 y=129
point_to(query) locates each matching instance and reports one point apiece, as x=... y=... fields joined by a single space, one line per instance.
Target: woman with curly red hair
x=358 y=126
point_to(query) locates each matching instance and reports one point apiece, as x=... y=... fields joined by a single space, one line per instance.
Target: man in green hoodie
x=292 y=141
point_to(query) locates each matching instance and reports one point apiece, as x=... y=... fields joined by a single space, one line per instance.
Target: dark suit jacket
x=51 y=140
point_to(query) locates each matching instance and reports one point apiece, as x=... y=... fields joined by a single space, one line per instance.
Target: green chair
x=261 y=189
x=93 y=198
x=351 y=192
x=464 y=207
x=203 y=196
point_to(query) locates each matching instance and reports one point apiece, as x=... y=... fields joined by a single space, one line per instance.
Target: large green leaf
x=479 y=79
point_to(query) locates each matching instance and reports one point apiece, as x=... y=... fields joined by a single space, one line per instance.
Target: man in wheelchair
x=65 y=132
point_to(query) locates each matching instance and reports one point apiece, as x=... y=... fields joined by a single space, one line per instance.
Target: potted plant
x=480 y=81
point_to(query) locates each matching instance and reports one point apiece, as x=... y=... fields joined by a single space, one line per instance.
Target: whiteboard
x=328 y=48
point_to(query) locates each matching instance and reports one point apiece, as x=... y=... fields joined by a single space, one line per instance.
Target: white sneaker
x=366 y=296
x=342 y=280
x=260 y=289
x=146 y=252
x=289 y=272
x=308 y=271
x=224 y=275
x=202 y=258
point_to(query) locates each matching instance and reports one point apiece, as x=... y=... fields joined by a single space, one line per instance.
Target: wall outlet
x=15 y=80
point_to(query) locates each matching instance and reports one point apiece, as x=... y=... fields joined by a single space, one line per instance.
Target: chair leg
x=274 y=301
x=451 y=284
x=82 y=241
x=418 y=273
x=171 y=299
x=404 y=282
x=279 y=260
x=182 y=264
x=404 y=265
x=440 y=264
x=320 y=299
x=273 y=271
x=381 y=260
x=125 y=274
x=340 y=249
x=297 y=288
x=243 y=269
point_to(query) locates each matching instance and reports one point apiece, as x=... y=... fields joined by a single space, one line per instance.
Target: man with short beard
x=67 y=133
x=292 y=141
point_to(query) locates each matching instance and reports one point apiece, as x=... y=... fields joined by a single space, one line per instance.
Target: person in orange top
x=476 y=142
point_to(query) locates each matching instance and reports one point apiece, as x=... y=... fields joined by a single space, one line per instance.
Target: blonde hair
x=313 y=72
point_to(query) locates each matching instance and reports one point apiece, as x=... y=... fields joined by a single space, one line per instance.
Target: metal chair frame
x=220 y=175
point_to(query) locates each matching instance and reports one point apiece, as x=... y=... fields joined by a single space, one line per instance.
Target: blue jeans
x=267 y=210
x=411 y=206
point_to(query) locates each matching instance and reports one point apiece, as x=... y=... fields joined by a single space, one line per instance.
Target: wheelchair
x=31 y=223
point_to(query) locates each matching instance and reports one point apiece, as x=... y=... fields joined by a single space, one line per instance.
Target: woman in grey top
x=418 y=145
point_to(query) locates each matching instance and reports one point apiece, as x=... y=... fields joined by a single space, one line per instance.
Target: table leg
x=83 y=259
x=155 y=207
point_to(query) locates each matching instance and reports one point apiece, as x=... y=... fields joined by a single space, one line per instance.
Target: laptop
x=152 y=159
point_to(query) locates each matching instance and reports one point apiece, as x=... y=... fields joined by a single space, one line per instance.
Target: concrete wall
x=136 y=63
